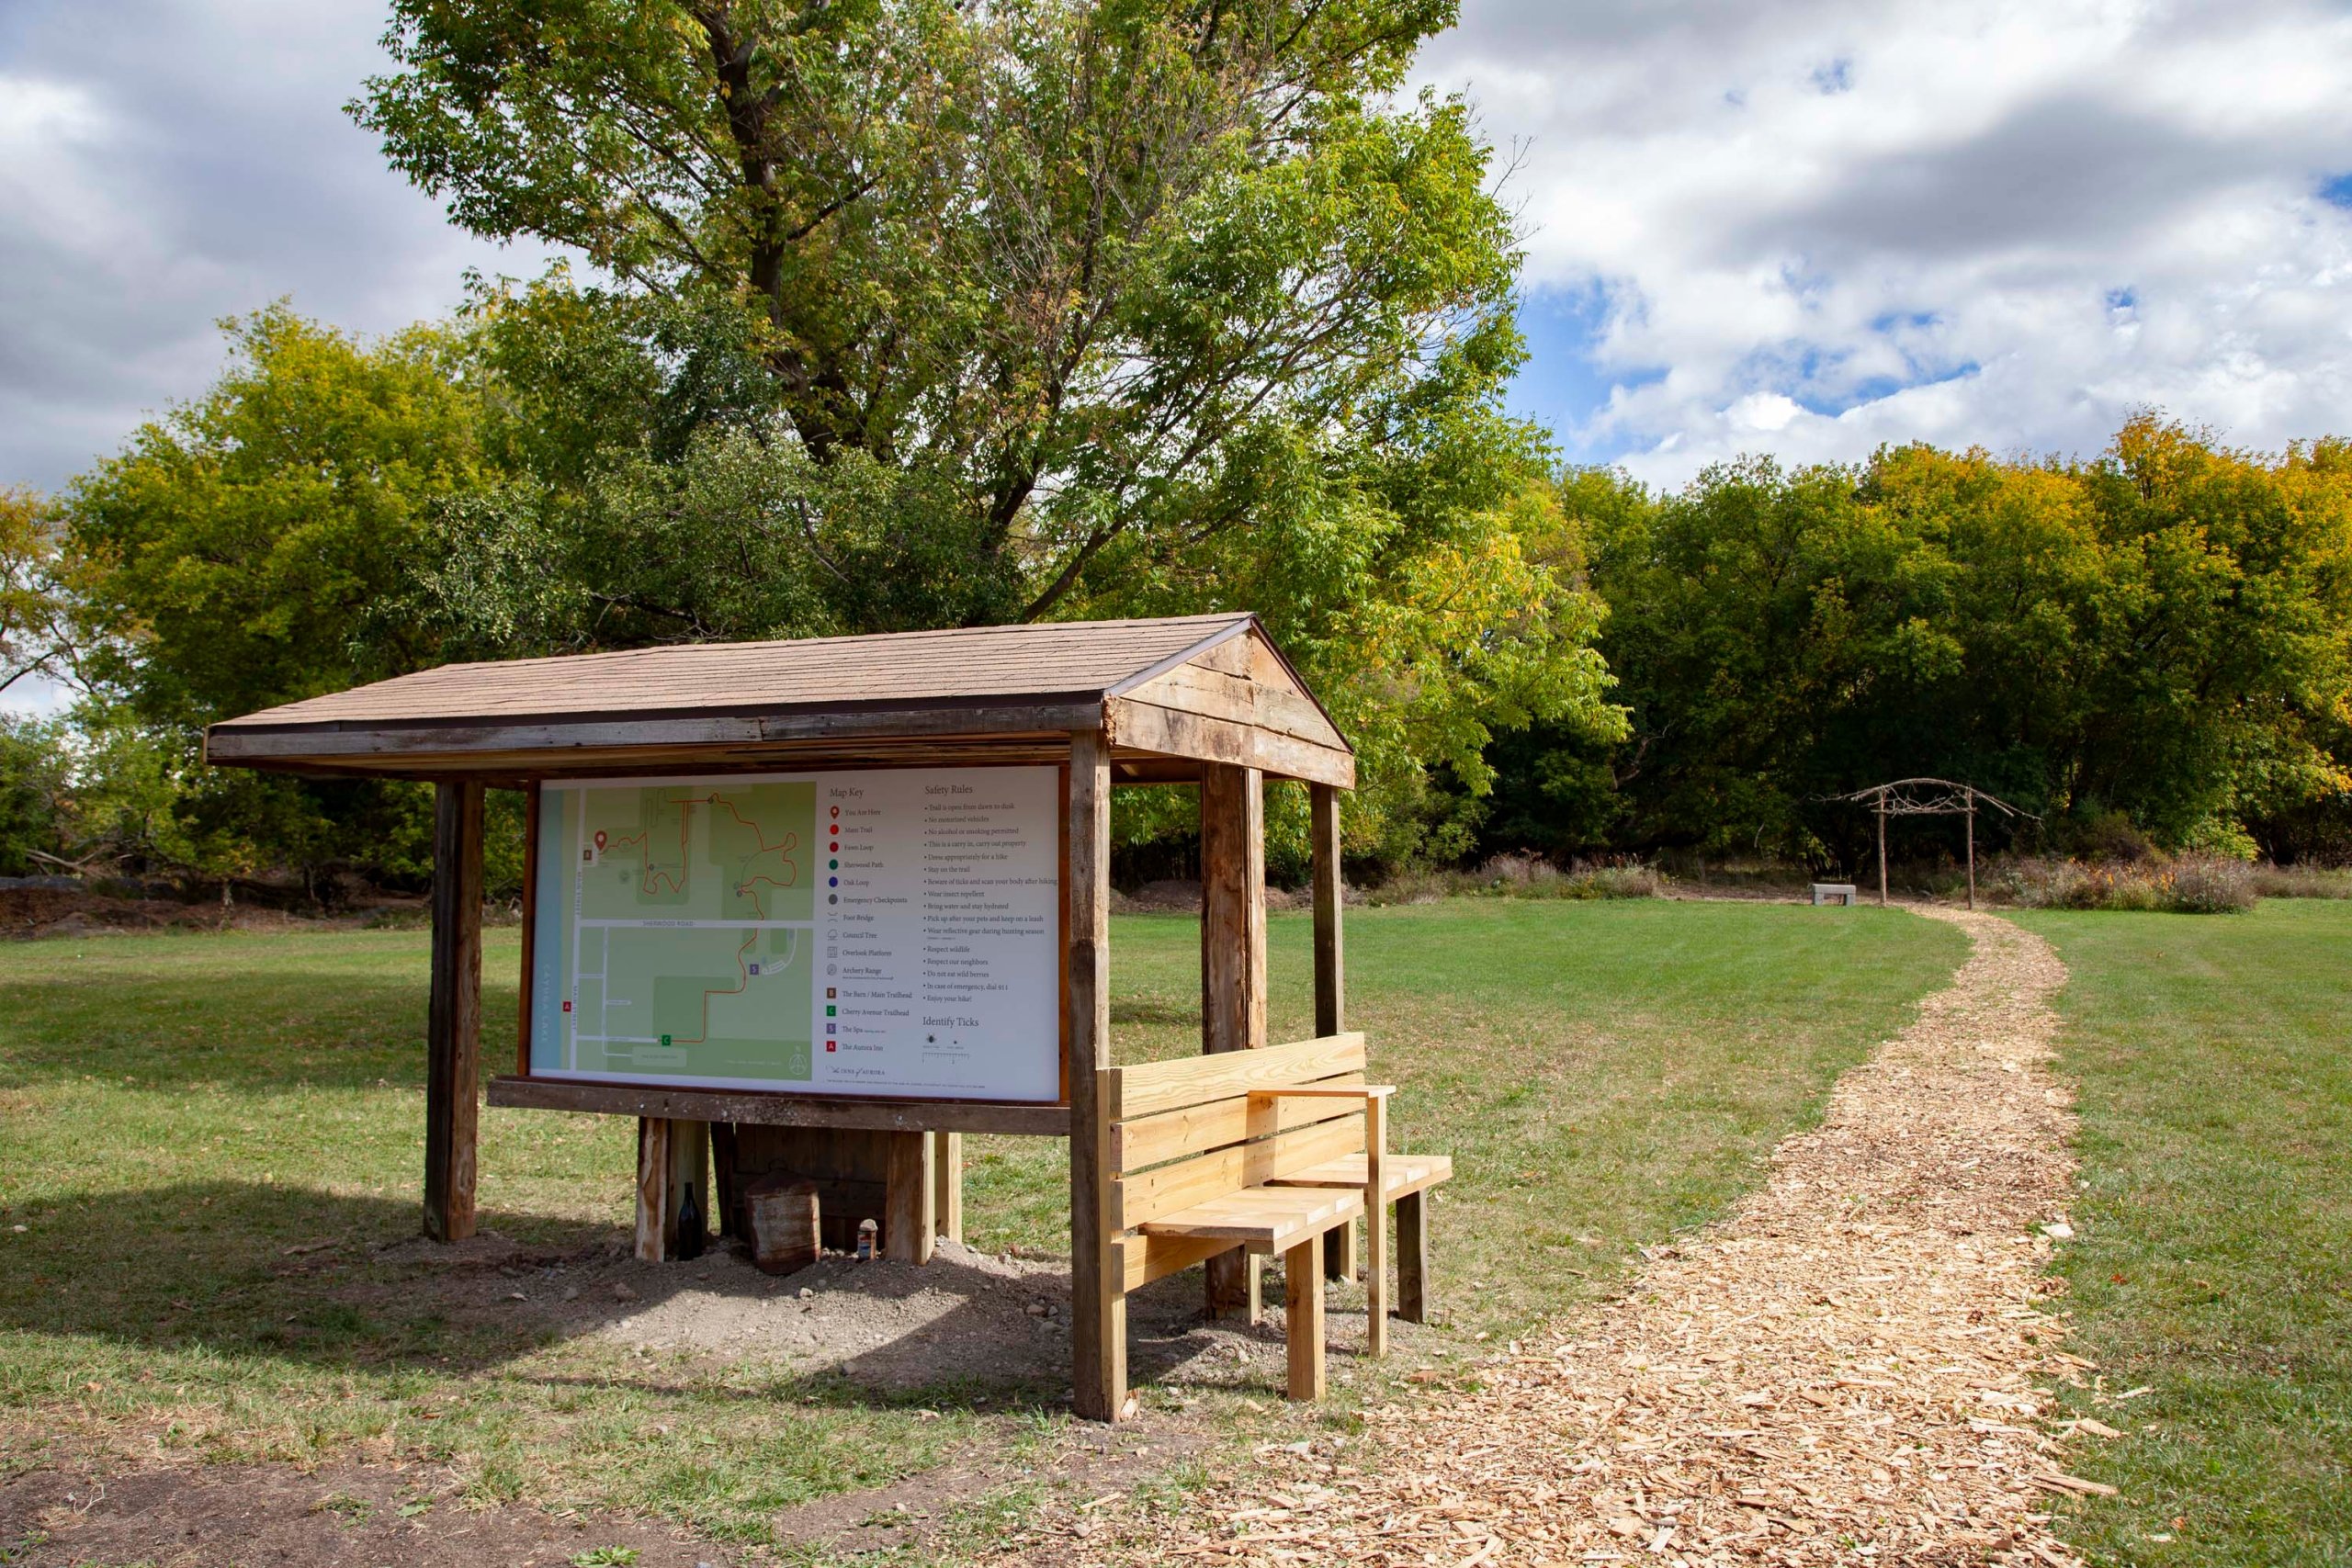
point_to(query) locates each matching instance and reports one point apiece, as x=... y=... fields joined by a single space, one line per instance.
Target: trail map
x=878 y=933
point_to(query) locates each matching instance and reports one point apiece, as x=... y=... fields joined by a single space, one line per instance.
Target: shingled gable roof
x=582 y=710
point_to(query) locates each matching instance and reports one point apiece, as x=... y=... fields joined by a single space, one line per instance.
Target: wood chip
x=1841 y=1371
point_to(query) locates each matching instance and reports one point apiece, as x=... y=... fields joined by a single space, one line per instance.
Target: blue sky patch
x=2336 y=190
x=1563 y=386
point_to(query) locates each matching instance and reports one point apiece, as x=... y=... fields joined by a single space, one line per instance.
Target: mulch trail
x=1846 y=1369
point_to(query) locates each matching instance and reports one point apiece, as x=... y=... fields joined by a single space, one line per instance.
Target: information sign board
x=892 y=933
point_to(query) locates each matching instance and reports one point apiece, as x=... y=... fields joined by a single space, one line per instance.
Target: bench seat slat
x=1399 y=1174
x=1265 y=1219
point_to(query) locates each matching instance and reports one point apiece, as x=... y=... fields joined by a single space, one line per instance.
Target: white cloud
x=1822 y=227
x=1811 y=227
x=174 y=163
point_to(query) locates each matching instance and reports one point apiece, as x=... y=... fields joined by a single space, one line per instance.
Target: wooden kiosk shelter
x=1202 y=699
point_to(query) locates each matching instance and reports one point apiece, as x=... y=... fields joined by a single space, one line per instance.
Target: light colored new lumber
x=1359 y=1091
x=1264 y=1219
x=1146 y=1086
x=1404 y=1173
x=1303 y=1319
x=1143 y=1258
x=1149 y=1195
x=1147 y=1141
x=947 y=1184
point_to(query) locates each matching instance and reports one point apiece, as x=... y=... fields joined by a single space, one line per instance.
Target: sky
x=1807 y=228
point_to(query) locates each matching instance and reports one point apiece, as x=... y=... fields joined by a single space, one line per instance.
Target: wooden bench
x=1249 y=1149
x=1403 y=1182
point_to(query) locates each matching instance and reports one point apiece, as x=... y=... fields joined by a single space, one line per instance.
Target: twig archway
x=1929 y=797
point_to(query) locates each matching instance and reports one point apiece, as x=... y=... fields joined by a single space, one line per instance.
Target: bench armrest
x=1327 y=1091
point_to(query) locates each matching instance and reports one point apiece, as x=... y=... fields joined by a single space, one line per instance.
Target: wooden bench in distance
x=1194 y=1150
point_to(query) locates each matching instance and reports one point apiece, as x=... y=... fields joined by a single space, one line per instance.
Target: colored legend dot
x=833 y=882
x=832 y=865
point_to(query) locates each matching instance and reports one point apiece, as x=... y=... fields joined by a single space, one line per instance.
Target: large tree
x=1084 y=262
x=915 y=314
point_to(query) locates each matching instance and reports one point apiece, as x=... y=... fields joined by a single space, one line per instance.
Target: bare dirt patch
x=966 y=1321
x=1844 y=1370
x=251 y=1515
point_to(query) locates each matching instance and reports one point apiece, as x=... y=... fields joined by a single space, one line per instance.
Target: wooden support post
x=1233 y=962
x=1303 y=1319
x=907 y=1220
x=1375 y=1227
x=671 y=1157
x=1339 y=1252
x=1413 y=1258
x=1971 y=849
x=1330 y=981
x=1098 y=1298
x=1881 y=849
x=947 y=1185
x=726 y=1185
x=453 y=1018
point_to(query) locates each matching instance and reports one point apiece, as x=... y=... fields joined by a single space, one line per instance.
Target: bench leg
x=1375 y=1278
x=1413 y=1258
x=1254 y=1274
x=1303 y=1328
x=1340 y=1253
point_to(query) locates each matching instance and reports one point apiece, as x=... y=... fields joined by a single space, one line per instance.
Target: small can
x=866 y=1231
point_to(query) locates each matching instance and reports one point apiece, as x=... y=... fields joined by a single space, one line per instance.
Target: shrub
x=2303 y=880
x=1513 y=875
x=2193 y=883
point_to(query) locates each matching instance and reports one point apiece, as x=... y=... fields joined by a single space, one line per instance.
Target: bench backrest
x=1186 y=1131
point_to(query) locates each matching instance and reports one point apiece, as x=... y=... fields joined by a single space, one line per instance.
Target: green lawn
x=178 y=1114
x=2213 y=1257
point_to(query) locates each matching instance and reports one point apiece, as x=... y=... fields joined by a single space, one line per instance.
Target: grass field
x=2213 y=1257
x=179 y=1114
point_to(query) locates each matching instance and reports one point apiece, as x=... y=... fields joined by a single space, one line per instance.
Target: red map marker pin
x=600 y=838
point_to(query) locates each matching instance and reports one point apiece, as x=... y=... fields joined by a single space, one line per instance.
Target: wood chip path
x=1844 y=1370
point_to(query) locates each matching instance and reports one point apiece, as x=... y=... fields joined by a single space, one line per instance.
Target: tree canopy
x=2164 y=632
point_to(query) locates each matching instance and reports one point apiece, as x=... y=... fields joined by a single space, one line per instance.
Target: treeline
x=910 y=315
x=2149 y=647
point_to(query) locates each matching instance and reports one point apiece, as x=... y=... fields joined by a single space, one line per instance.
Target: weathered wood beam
x=1232 y=958
x=906 y=1219
x=755 y=1108
x=671 y=1157
x=1330 y=973
x=1098 y=1300
x=1146 y=727
x=453 y=1018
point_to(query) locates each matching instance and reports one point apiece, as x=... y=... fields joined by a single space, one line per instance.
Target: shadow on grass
x=262 y=1274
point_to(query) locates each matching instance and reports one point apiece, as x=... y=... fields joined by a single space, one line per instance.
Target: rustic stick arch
x=1929 y=797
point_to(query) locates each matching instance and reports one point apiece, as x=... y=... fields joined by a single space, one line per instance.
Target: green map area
x=656 y=991
x=699 y=852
